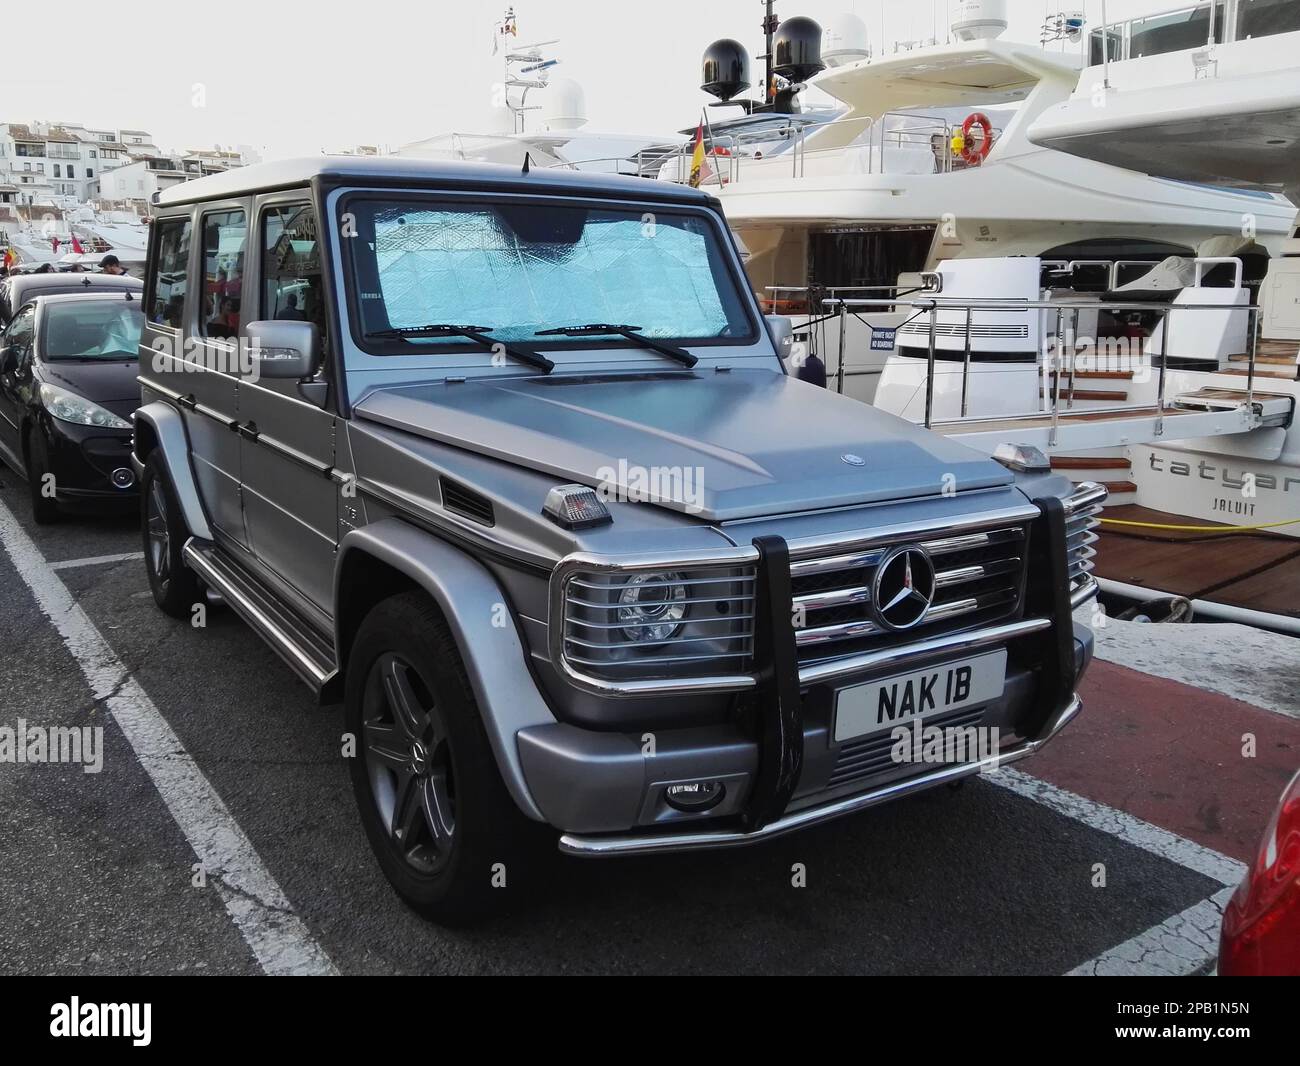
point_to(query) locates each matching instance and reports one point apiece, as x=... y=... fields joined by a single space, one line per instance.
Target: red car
x=1261 y=925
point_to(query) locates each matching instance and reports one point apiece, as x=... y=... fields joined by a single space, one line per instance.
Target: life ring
x=970 y=153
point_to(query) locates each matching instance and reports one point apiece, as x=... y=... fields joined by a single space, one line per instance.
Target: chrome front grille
x=1083 y=509
x=979 y=578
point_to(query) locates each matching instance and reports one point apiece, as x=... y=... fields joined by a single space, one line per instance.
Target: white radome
x=844 y=40
x=565 y=105
x=980 y=20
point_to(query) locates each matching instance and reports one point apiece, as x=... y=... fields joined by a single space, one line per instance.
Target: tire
x=431 y=798
x=45 y=509
x=174 y=585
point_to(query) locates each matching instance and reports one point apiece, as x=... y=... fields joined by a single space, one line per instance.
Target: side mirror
x=289 y=350
x=782 y=330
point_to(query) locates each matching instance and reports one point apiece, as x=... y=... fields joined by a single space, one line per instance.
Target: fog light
x=123 y=477
x=694 y=796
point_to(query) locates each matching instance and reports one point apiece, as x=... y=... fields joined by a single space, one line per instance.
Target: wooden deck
x=1257 y=570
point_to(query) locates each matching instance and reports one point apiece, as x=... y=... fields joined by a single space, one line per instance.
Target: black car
x=18 y=290
x=68 y=368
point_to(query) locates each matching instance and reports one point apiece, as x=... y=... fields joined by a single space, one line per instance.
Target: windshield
x=91 y=329
x=519 y=268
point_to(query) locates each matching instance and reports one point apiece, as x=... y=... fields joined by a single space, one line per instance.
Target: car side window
x=165 y=299
x=291 y=266
x=225 y=233
x=18 y=336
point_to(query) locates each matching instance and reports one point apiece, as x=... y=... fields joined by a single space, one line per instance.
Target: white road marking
x=259 y=908
x=1181 y=945
x=1144 y=835
x=95 y=560
x=1185 y=943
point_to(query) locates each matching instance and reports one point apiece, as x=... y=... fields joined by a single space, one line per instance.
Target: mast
x=770 y=23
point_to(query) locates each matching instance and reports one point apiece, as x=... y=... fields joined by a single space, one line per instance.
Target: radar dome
x=980 y=20
x=844 y=40
x=797 y=49
x=725 y=69
x=565 y=105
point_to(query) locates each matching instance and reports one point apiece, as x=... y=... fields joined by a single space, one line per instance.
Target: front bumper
x=777 y=767
x=83 y=460
x=607 y=791
x=645 y=843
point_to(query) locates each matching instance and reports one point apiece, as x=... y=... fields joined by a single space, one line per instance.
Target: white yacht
x=929 y=159
x=1179 y=386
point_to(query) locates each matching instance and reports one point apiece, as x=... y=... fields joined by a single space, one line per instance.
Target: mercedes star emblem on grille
x=903 y=588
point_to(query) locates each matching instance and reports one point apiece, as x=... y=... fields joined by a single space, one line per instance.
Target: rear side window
x=291 y=278
x=166 y=296
x=224 y=235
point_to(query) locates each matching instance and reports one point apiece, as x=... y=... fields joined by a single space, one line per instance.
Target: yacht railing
x=729 y=156
x=1061 y=363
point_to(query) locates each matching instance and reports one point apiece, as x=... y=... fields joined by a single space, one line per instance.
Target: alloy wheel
x=159 y=538
x=408 y=761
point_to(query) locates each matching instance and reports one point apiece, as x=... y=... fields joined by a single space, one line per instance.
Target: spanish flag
x=697 y=158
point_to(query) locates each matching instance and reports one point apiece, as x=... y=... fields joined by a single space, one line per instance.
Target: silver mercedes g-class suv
x=510 y=464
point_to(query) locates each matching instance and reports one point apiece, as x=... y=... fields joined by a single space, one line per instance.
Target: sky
x=290 y=79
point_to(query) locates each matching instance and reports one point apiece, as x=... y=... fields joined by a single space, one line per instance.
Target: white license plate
x=905 y=698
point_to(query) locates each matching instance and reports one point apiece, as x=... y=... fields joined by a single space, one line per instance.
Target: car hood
x=111 y=385
x=720 y=446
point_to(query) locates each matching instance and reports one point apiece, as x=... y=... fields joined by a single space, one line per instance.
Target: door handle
x=248 y=430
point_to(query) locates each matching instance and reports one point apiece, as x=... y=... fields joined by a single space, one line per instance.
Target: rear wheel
x=437 y=814
x=174 y=585
x=40 y=479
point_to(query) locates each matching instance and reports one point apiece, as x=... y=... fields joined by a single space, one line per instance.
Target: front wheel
x=174 y=585
x=437 y=814
x=40 y=479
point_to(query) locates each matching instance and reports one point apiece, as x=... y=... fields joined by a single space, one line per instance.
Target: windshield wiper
x=632 y=333
x=481 y=335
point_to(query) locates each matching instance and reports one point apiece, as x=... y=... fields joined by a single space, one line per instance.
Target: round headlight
x=652 y=606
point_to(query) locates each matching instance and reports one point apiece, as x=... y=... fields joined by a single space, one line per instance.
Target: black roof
x=401 y=170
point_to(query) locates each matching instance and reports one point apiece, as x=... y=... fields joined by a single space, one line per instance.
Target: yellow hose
x=1200 y=529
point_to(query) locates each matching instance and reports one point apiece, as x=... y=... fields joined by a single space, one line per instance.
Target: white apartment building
x=61 y=163
x=140 y=179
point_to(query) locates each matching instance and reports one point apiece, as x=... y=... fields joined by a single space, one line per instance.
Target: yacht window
x=870 y=258
x=1176 y=31
x=1264 y=18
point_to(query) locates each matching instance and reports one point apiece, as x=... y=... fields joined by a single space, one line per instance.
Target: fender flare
x=495 y=658
x=168 y=430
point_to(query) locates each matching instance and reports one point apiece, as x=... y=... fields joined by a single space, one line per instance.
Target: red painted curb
x=1172 y=755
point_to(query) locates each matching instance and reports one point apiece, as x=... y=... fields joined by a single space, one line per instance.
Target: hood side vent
x=461 y=500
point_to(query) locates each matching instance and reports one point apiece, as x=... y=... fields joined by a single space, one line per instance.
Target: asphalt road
x=96 y=876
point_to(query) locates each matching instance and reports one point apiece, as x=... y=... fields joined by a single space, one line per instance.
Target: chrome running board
x=299 y=644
